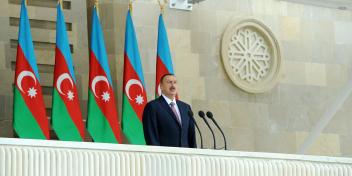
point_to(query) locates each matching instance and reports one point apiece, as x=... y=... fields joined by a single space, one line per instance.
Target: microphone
x=190 y=113
x=210 y=116
x=202 y=115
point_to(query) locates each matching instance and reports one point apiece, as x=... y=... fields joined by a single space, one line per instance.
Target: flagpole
x=25 y=2
x=60 y=2
x=96 y=4
x=162 y=6
x=130 y=6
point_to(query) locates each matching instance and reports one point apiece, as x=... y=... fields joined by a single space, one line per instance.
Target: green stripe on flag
x=131 y=125
x=61 y=120
x=97 y=124
x=24 y=122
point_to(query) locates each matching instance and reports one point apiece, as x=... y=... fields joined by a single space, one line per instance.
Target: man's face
x=168 y=86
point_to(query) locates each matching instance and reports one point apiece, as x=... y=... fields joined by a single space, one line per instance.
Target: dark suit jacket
x=161 y=127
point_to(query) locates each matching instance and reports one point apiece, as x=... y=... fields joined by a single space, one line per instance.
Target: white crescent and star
x=129 y=84
x=61 y=78
x=96 y=80
x=105 y=95
x=22 y=75
x=139 y=98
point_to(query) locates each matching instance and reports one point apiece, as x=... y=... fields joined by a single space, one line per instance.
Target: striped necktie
x=172 y=105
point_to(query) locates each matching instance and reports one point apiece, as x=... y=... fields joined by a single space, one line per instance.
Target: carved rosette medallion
x=251 y=55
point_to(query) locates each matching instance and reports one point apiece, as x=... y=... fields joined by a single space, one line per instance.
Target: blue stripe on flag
x=25 y=39
x=62 y=40
x=163 y=46
x=131 y=48
x=97 y=44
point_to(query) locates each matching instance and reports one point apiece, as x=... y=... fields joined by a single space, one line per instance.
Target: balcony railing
x=24 y=157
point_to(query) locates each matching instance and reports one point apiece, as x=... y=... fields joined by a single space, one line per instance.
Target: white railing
x=23 y=157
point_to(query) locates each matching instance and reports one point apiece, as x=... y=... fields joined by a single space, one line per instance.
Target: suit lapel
x=168 y=109
x=182 y=113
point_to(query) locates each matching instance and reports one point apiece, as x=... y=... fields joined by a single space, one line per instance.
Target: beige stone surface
x=246 y=115
x=149 y=34
x=44 y=57
x=203 y=20
x=316 y=53
x=293 y=73
x=345 y=144
x=2 y=56
x=84 y=90
x=222 y=112
x=42 y=13
x=190 y=88
x=240 y=139
x=292 y=9
x=4 y=10
x=6 y=128
x=179 y=40
x=278 y=142
x=43 y=35
x=6 y=77
x=223 y=18
x=334 y=71
x=315 y=74
x=186 y=64
x=341 y=32
x=327 y=144
x=290 y=28
x=335 y=126
x=141 y=11
x=300 y=73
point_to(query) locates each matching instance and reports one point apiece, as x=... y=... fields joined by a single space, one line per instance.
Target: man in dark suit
x=166 y=121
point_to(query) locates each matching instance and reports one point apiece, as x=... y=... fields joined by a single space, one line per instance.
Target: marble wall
x=42 y=15
x=316 y=50
x=316 y=63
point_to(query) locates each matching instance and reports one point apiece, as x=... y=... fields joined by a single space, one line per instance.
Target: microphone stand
x=210 y=116
x=190 y=113
x=202 y=115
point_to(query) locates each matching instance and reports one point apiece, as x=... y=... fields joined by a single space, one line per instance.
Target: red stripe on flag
x=68 y=91
x=104 y=95
x=29 y=86
x=160 y=71
x=137 y=95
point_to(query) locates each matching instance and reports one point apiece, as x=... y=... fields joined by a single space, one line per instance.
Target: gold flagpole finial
x=162 y=5
x=60 y=2
x=130 y=6
x=96 y=4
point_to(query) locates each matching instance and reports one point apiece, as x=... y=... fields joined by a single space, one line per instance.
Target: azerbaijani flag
x=163 y=57
x=102 y=122
x=134 y=97
x=66 y=117
x=29 y=116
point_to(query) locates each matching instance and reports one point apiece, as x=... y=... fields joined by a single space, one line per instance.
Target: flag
x=163 y=57
x=29 y=116
x=66 y=113
x=102 y=122
x=134 y=97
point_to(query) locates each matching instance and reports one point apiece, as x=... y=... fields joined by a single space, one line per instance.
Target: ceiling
x=336 y=4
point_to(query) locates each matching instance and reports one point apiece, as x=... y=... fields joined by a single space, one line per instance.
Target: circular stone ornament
x=251 y=55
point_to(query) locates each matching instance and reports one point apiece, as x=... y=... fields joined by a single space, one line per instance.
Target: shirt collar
x=168 y=100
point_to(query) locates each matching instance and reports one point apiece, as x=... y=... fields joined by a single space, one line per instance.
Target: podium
x=26 y=157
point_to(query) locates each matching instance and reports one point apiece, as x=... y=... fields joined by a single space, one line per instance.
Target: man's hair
x=165 y=75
